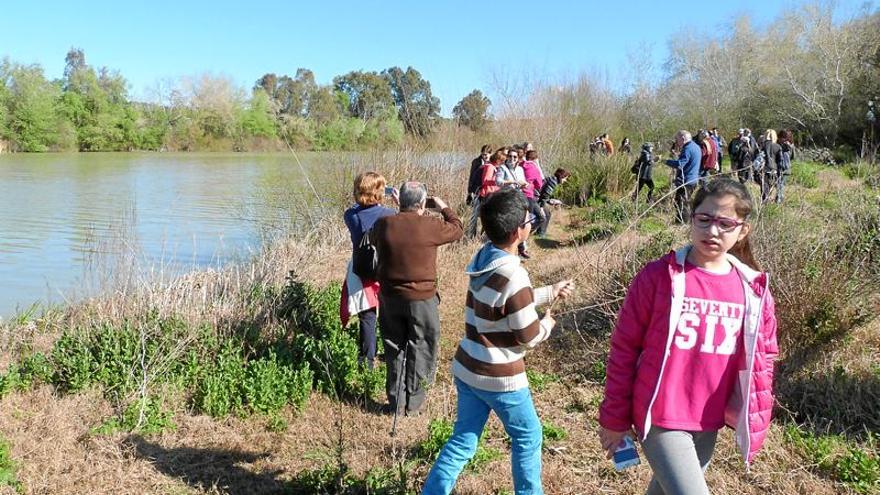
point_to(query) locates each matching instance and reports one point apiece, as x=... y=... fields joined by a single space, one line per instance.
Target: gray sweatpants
x=678 y=459
x=471 y=230
x=414 y=326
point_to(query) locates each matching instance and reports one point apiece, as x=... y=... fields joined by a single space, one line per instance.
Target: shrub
x=805 y=174
x=858 y=466
x=220 y=391
x=155 y=419
x=8 y=468
x=439 y=431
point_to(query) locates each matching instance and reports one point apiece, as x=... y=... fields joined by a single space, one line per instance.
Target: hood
x=485 y=262
x=757 y=280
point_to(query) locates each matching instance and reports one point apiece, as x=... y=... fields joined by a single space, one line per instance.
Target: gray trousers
x=678 y=459
x=471 y=230
x=412 y=327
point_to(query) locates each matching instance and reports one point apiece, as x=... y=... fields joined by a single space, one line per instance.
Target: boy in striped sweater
x=500 y=324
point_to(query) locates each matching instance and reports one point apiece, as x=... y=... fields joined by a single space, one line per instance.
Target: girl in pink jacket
x=693 y=348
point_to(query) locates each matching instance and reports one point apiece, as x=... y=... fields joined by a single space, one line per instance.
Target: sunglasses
x=530 y=220
x=725 y=224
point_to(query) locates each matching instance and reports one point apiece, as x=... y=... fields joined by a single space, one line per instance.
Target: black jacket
x=547 y=189
x=474 y=178
x=772 y=156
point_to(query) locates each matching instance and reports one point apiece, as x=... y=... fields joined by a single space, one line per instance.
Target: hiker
x=532 y=189
x=607 y=145
x=643 y=168
x=407 y=247
x=772 y=157
x=693 y=348
x=528 y=146
x=487 y=186
x=504 y=175
x=687 y=173
x=708 y=156
x=625 y=146
x=784 y=166
x=475 y=182
x=501 y=323
x=545 y=198
x=360 y=295
x=720 y=144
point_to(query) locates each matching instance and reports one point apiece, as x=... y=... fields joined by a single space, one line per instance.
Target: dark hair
x=501 y=213
x=561 y=173
x=487 y=148
x=531 y=154
x=743 y=206
x=785 y=136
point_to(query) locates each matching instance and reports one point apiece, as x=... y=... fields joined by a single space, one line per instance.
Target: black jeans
x=642 y=183
x=410 y=328
x=683 y=196
x=367 y=324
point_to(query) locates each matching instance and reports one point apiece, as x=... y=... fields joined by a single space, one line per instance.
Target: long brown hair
x=743 y=206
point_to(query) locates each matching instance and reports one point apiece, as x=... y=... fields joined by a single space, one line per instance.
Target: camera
x=430 y=203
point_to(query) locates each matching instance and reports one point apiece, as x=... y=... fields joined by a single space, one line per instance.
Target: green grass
x=8 y=467
x=539 y=381
x=857 y=466
x=806 y=174
x=439 y=431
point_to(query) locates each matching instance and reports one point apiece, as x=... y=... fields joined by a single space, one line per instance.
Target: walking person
x=786 y=157
x=708 y=156
x=643 y=168
x=687 y=173
x=501 y=324
x=360 y=295
x=545 y=198
x=475 y=182
x=533 y=186
x=693 y=348
x=719 y=145
x=407 y=244
x=772 y=157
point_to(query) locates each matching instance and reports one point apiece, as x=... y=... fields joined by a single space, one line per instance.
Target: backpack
x=635 y=168
x=365 y=258
x=758 y=162
x=785 y=163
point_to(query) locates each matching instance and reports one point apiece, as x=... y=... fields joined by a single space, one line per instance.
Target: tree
x=257 y=120
x=419 y=110
x=473 y=111
x=33 y=120
x=368 y=93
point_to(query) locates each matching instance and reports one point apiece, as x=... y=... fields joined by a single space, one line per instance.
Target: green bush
x=155 y=418
x=858 y=466
x=439 y=431
x=8 y=467
x=805 y=174
x=269 y=385
x=220 y=391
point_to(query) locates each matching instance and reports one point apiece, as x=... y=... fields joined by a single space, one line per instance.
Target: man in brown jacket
x=407 y=247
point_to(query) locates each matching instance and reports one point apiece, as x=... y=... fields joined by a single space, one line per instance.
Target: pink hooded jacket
x=641 y=343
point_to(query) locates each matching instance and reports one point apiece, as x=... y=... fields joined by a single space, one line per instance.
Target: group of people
x=766 y=160
x=692 y=349
x=513 y=167
x=696 y=158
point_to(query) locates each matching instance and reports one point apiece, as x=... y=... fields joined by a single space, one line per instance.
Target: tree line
x=89 y=109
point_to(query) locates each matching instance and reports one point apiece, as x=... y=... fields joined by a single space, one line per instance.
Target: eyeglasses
x=512 y=155
x=725 y=224
x=531 y=219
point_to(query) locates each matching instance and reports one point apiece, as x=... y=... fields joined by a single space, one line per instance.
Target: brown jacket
x=407 y=246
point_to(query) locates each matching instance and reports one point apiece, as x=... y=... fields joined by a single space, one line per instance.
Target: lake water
x=63 y=214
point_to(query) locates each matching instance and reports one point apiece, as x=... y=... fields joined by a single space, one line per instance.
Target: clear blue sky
x=456 y=45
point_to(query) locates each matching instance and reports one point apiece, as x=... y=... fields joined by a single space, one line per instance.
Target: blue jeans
x=517 y=413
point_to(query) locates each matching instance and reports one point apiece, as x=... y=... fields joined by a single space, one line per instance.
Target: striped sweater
x=500 y=322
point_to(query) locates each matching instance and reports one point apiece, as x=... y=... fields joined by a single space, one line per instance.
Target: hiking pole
x=400 y=379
